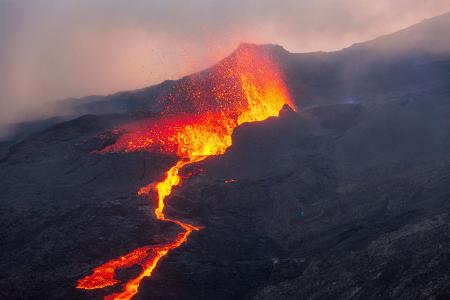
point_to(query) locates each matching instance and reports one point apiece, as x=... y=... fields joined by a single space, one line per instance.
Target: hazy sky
x=62 y=48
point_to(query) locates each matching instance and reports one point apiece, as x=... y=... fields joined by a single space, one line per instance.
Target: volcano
x=271 y=175
x=258 y=93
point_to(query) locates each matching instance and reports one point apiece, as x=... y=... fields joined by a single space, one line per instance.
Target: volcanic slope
x=285 y=205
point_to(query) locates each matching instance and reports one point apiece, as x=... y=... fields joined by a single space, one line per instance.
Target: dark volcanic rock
x=304 y=206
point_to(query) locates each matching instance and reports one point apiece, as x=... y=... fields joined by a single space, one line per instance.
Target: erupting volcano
x=198 y=121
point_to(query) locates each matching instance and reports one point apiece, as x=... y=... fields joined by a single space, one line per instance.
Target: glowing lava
x=246 y=87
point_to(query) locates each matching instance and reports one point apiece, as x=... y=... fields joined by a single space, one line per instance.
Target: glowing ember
x=244 y=88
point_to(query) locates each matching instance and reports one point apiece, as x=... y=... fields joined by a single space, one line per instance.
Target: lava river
x=246 y=87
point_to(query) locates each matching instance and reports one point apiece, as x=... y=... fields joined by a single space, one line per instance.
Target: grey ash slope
x=342 y=201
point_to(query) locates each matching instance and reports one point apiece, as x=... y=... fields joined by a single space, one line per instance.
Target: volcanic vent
x=198 y=121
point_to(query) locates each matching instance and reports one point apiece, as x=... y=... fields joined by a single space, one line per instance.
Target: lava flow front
x=198 y=121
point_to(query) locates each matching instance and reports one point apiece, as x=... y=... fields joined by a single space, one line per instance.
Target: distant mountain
x=400 y=66
x=427 y=37
x=403 y=64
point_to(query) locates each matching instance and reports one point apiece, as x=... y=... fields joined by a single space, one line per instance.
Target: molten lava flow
x=244 y=88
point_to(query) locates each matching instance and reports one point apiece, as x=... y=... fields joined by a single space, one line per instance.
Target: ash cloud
x=57 y=49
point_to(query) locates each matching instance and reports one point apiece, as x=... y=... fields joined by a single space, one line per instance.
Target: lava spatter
x=246 y=87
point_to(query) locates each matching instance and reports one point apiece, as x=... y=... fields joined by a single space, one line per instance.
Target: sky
x=54 y=49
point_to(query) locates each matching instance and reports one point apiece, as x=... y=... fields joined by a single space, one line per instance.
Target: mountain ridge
x=305 y=74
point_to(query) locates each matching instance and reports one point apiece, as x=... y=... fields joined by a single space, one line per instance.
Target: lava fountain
x=200 y=115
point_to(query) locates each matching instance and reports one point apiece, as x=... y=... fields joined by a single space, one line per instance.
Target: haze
x=56 y=49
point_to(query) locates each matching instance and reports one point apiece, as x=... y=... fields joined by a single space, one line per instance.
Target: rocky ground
x=306 y=224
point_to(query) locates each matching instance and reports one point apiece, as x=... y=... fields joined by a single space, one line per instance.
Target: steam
x=57 y=49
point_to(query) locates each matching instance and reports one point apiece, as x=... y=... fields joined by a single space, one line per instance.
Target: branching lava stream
x=246 y=87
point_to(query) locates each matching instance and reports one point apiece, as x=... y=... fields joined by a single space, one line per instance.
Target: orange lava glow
x=198 y=121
